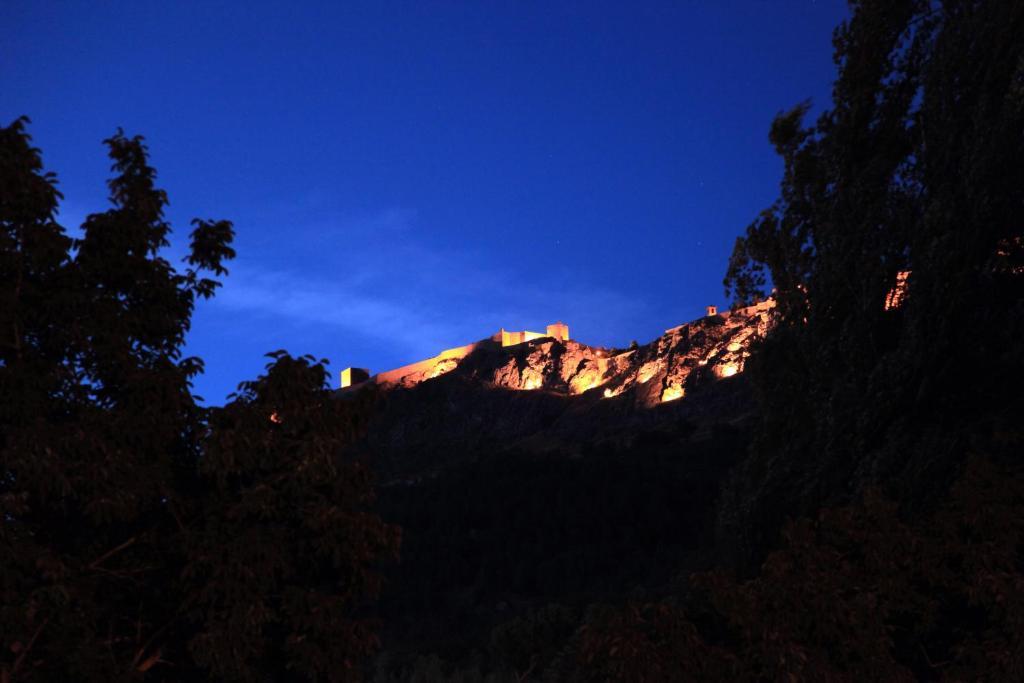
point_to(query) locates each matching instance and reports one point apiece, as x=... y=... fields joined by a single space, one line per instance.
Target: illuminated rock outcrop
x=551 y=395
x=710 y=348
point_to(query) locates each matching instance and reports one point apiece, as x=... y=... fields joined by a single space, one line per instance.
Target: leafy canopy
x=916 y=168
x=143 y=535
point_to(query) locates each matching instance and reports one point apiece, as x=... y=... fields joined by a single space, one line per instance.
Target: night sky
x=407 y=177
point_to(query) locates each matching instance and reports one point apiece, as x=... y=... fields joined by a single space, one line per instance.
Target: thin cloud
x=410 y=295
x=311 y=300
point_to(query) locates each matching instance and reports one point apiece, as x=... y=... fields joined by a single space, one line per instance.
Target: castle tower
x=712 y=310
x=559 y=331
x=352 y=376
x=511 y=338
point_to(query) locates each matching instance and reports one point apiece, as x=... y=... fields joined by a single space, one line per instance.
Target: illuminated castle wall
x=715 y=347
x=559 y=331
x=448 y=359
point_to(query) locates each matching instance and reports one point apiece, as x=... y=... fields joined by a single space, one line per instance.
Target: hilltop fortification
x=714 y=346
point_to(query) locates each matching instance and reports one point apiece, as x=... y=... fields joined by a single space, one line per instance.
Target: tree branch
x=24 y=652
x=95 y=563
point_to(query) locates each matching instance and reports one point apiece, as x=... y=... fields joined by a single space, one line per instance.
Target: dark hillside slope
x=511 y=499
x=552 y=396
x=498 y=534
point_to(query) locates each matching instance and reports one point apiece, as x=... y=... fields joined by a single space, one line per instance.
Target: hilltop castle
x=447 y=359
x=559 y=331
x=712 y=347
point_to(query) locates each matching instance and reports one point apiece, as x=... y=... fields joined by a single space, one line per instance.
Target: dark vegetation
x=896 y=434
x=874 y=529
x=141 y=535
x=502 y=535
x=869 y=527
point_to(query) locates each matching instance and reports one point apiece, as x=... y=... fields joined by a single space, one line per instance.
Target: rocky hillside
x=552 y=471
x=548 y=394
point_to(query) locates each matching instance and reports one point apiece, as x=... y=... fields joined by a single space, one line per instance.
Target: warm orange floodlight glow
x=443 y=367
x=896 y=295
x=585 y=386
x=531 y=383
x=729 y=369
x=671 y=393
x=647 y=371
x=615 y=391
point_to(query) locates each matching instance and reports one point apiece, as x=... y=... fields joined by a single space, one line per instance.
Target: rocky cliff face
x=547 y=394
x=682 y=359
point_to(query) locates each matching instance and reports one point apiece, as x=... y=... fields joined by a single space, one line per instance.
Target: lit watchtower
x=559 y=331
x=351 y=376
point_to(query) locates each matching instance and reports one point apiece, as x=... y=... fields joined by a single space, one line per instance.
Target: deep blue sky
x=406 y=177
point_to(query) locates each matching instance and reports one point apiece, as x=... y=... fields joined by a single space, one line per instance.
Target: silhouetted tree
x=279 y=562
x=853 y=595
x=916 y=167
x=141 y=534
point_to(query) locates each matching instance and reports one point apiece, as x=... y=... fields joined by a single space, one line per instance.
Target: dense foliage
x=142 y=535
x=916 y=168
x=856 y=594
x=874 y=405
